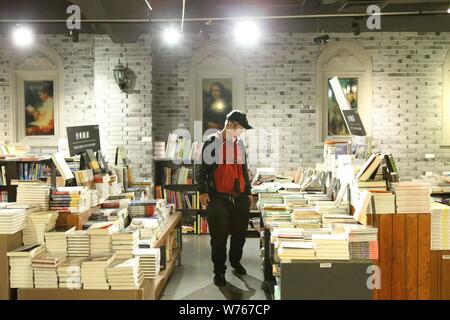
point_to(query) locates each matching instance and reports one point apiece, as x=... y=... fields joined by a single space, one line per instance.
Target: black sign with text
x=354 y=123
x=82 y=138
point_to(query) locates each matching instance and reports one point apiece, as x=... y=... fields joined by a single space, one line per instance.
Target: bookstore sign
x=82 y=138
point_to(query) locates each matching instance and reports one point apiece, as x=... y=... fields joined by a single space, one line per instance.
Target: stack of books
x=308 y=233
x=150 y=260
x=102 y=190
x=269 y=198
x=94 y=198
x=148 y=228
x=12 y=220
x=93 y=272
x=100 y=236
x=33 y=193
x=294 y=201
x=142 y=208
x=115 y=204
x=331 y=246
x=440 y=227
x=296 y=250
x=329 y=219
x=115 y=188
x=119 y=216
x=277 y=215
x=70 y=199
x=125 y=274
x=306 y=218
x=44 y=269
x=69 y=274
x=78 y=244
x=56 y=240
x=21 y=271
x=362 y=242
x=38 y=223
x=384 y=202
x=124 y=242
x=412 y=197
x=378 y=185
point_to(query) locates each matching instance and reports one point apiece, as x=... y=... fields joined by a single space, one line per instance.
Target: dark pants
x=227 y=218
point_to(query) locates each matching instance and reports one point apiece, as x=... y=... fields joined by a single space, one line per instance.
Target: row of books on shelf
x=183 y=200
x=195 y=224
x=179 y=147
x=180 y=175
x=33 y=171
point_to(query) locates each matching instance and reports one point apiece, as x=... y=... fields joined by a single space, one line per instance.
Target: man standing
x=224 y=188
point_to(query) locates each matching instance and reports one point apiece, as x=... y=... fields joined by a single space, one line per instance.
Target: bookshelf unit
x=12 y=172
x=190 y=216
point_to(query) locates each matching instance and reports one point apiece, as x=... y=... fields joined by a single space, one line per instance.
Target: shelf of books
x=175 y=182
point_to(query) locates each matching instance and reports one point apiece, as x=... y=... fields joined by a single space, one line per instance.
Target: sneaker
x=219 y=280
x=239 y=269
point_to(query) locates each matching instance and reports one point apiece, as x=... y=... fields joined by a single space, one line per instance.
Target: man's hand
x=204 y=200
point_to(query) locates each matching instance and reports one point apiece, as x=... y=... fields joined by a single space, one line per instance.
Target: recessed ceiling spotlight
x=22 y=36
x=246 y=33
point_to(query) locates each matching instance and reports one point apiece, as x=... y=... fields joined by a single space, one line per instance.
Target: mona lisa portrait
x=39 y=108
x=217 y=102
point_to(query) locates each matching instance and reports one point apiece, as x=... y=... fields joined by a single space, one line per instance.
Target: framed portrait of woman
x=37 y=96
x=217 y=102
x=335 y=124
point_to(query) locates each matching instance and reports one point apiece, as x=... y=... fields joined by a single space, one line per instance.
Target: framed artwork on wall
x=39 y=108
x=217 y=102
x=217 y=86
x=353 y=66
x=37 y=96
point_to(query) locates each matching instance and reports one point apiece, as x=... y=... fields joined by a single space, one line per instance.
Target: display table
x=150 y=290
x=8 y=242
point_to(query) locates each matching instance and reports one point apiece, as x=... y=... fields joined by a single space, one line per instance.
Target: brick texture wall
x=92 y=96
x=280 y=79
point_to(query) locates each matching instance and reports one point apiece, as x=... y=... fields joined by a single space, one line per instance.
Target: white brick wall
x=92 y=96
x=280 y=77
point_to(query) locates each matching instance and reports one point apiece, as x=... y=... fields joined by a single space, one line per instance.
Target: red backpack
x=226 y=174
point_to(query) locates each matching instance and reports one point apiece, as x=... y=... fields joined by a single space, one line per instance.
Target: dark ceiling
x=429 y=16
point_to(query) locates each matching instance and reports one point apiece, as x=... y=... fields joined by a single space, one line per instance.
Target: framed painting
x=37 y=108
x=37 y=96
x=217 y=101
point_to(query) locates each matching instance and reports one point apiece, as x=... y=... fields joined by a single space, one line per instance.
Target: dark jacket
x=204 y=172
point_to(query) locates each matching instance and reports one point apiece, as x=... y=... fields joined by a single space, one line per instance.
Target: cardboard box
x=8 y=242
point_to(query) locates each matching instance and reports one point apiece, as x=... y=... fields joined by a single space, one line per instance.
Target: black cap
x=239 y=116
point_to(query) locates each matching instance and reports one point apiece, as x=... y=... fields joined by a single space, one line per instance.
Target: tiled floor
x=193 y=279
